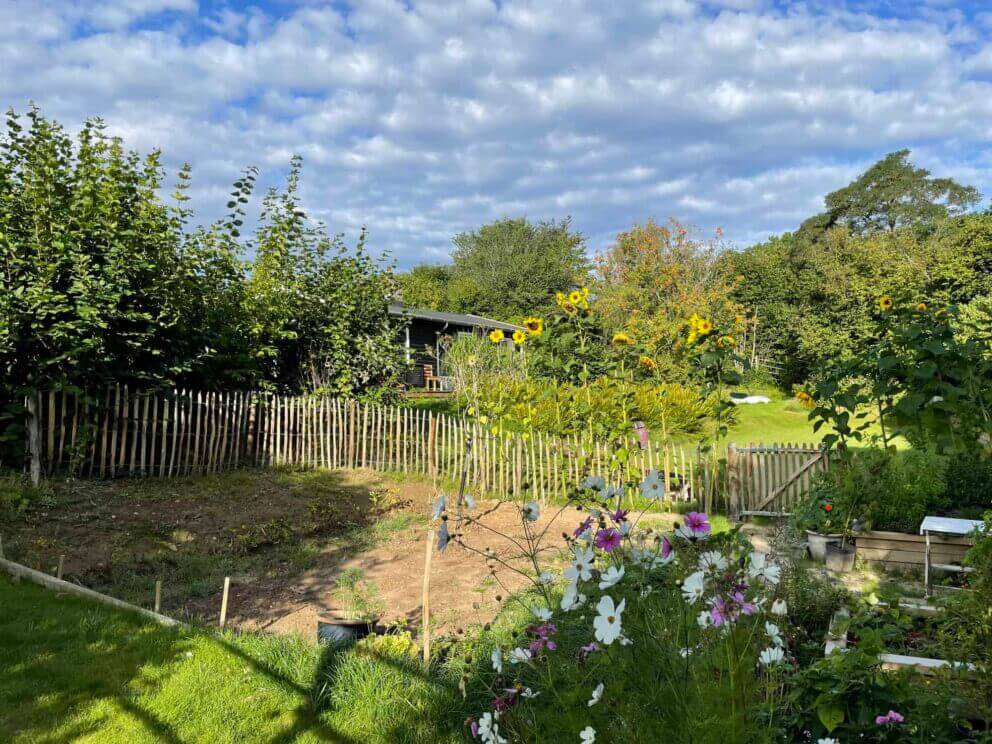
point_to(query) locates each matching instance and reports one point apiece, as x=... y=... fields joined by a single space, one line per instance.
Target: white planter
x=818 y=544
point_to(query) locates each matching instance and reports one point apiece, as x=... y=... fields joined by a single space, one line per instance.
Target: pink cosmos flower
x=698 y=523
x=619 y=515
x=666 y=548
x=608 y=539
x=890 y=717
x=583 y=526
x=474 y=726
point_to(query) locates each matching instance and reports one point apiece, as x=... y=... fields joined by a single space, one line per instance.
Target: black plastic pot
x=840 y=558
x=344 y=631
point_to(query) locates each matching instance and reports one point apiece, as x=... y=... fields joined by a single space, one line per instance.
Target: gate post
x=34 y=436
x=733 y=481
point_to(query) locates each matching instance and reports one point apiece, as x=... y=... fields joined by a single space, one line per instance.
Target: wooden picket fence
x=123 y=433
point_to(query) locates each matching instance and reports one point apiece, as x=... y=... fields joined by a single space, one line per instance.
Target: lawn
x=78 y=671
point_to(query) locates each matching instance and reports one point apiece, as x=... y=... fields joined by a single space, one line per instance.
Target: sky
x=424 y=119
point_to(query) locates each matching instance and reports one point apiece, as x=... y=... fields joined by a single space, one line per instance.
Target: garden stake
x=223 y=601
x=426 y=599
x=58 y=571
x=158 y=595
x=1 y=547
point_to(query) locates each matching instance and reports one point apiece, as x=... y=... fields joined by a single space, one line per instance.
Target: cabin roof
x=475 y=321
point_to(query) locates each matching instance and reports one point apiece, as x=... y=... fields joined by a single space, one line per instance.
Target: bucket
x=840 y=558
x=818 y=544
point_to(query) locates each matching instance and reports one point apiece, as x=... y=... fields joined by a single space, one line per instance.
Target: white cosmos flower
x=611 y=577
x=759 y=567
x=581 y=568
x=704 y=619
x=545 y=578
x=528 y=693
x=597 y=694
x=625 y=641
x=652 y=487
x=531 y=511
x=713 y=560
x=587 y=735
x=595 y=482
x=771 y=655
x=519 y=655
x=693 y=587
x=541 y=613
x=779 y=607
x=572 y=599
x=608 y=623
x=774 y=634
x=497 y=658
x=489 y=729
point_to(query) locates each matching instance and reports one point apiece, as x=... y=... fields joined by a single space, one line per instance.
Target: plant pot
x=818 y=544
x=840 y=558
x=342 y=630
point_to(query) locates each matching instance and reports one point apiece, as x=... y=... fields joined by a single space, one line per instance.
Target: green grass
x=74 y=670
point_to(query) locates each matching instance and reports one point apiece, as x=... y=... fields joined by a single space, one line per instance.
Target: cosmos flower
x=608 y=623
x=597 y=694
x=610 y=577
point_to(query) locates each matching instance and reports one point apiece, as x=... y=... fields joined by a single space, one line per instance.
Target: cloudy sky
x=421 y=119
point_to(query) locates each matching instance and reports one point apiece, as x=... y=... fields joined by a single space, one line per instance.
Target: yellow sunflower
x=569 y=308
x=805 y=399
x=519 y=337
x=534 y=326
x=921 y=307
x=704 y=327
x=725 y=342
x=560 y=298
x=622 y=339
x=885 y=303
x=585 y=293
x=576 y=297
x=496 y=335
x=647 y=363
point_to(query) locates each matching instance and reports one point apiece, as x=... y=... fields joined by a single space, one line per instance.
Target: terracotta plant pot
x=840 y=557
x=818 y=544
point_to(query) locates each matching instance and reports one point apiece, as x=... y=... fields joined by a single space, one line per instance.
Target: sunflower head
x=519 y=337
x=704 y=327
x=569 y=308
x=560 y=298
x=805 y=399
x=648 y=363
x=534 y=326
x=585 y=292
x=576 y=297
x=885 y=303
x=622 y=339
x=495 y=335
x=921 y=307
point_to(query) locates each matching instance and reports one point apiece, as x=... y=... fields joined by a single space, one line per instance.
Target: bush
x=968 y=484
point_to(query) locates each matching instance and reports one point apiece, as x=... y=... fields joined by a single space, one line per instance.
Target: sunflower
x=496 y=335
x=560 y=298
x=569 y=308
x=648 y=363
x=576 y=297
x=725 y=341
x=534 y=326
x=622 y=339
x=885 y=303
x=921 y=307
x=519 y=337
x=585 y=293
x=805 y=399
x=704 y=327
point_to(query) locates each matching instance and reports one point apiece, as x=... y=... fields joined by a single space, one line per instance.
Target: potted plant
x=818 y=516
x=361 y=608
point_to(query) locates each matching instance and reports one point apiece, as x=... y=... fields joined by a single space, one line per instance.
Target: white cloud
x=420 y=119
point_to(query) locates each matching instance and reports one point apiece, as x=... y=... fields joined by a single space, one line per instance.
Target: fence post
x=34 y=437
x=432 y=444
x=733 y=481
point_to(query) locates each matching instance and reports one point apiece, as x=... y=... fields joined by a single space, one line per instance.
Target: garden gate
x=768 y=480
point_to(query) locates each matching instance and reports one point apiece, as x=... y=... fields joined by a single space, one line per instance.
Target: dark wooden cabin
x=423 y=336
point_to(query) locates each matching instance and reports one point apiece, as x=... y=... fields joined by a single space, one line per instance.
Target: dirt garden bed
x=285 y=538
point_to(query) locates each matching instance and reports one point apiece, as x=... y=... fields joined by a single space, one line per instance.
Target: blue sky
x=423 y=119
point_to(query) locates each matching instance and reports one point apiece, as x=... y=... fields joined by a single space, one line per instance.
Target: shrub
x=968 y=484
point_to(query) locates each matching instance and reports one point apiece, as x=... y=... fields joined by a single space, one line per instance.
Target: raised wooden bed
x=908 y=549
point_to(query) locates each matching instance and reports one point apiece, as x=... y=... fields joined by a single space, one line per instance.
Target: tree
x=892 y=193
x=512 y=268
x=653 y=278
x=425 y=287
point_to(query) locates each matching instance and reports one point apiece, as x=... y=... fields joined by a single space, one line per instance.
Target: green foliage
x=426 y=287
x=512 y=267
x=891 y=194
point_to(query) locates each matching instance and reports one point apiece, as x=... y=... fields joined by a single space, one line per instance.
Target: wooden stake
x=158 y=595
x=34 y=438
x=58 y=571
x=1 y=548
x=223 y=601
x=426 y=599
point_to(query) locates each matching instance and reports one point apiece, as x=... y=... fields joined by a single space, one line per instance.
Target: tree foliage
x=426 y=286
x=513 y=267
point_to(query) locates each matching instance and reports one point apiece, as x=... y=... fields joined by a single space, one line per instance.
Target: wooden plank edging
x=50 y=582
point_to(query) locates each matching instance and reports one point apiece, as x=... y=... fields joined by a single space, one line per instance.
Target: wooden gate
x=768 y=479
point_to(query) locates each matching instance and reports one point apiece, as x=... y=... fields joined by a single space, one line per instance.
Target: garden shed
x=423 y=340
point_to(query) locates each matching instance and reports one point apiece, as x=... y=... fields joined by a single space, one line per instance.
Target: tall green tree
x=426 y=286
x=511 y=268
x=893 y=193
